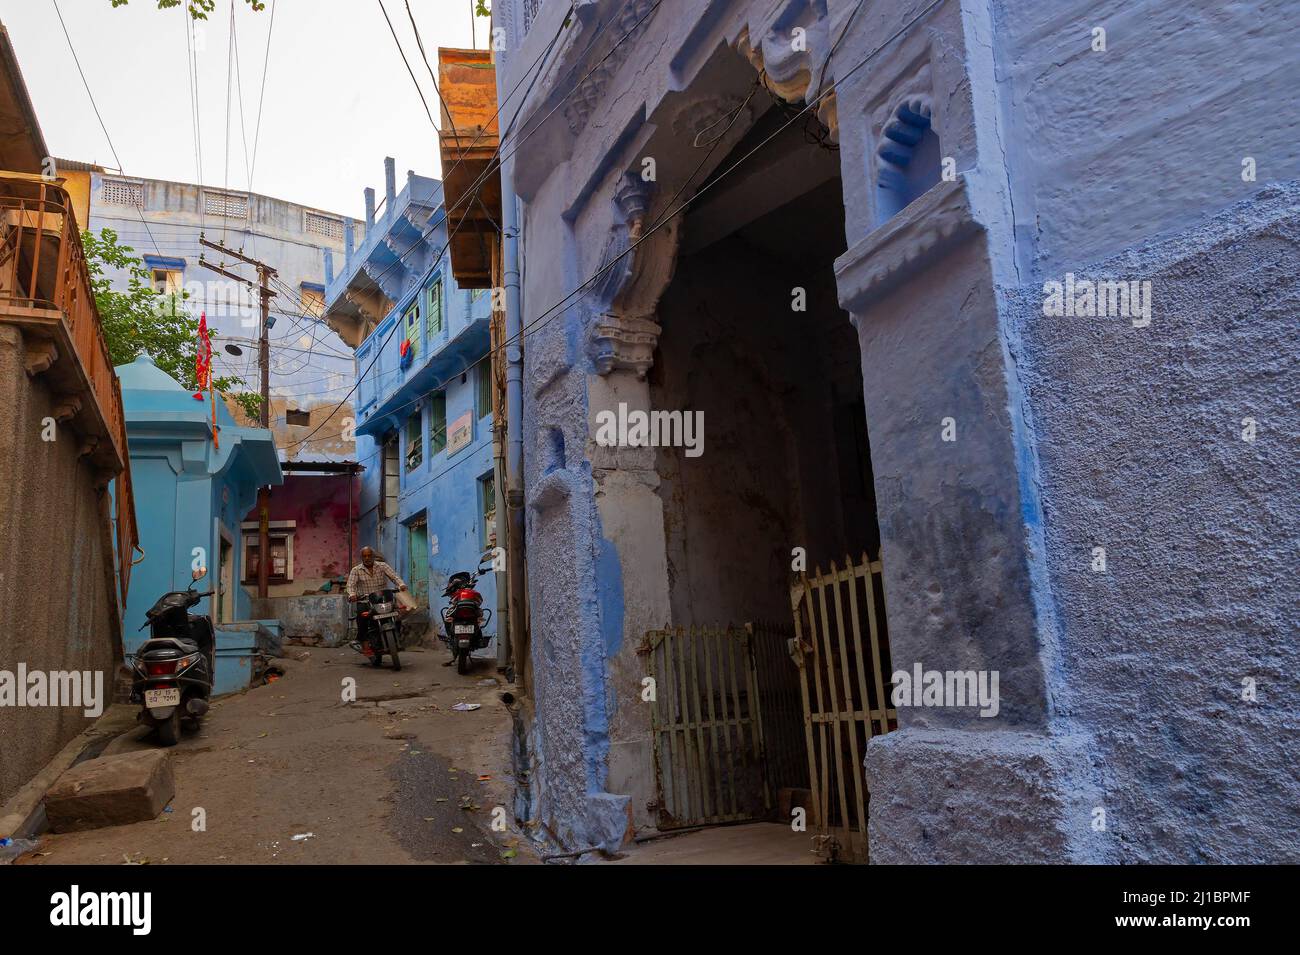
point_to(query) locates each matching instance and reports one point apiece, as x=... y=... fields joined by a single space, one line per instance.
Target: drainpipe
x=503 y=593
x=514 y=421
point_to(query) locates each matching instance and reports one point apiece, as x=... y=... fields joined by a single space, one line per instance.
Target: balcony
x=468 y=145
x=45 y=290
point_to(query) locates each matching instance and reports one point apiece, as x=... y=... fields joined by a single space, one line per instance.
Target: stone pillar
x=633 y=552
x=954 y=465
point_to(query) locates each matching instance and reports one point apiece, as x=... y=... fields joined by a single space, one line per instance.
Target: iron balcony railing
x=45 y=286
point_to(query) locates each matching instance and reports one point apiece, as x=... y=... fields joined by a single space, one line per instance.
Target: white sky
x=338 y=97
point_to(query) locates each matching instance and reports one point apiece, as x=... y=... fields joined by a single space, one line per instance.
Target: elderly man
x=369 y=577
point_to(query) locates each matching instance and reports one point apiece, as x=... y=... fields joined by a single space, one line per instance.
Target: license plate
x=464 y=628
x=158 y=698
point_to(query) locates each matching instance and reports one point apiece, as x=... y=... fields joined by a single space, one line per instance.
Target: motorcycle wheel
x=390 y=639
x=169 y=732
x=462 y=662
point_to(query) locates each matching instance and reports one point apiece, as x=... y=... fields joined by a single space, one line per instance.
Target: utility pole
x=264 y=273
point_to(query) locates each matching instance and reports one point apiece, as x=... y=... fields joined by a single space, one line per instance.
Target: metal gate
x=842 y=651
x=724 y=721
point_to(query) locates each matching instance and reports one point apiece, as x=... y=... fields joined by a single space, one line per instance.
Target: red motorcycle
x=464 y=617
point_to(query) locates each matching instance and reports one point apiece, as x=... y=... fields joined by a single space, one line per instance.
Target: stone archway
x=960 y=523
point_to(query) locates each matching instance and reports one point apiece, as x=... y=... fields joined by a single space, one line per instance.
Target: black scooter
x=174 y=668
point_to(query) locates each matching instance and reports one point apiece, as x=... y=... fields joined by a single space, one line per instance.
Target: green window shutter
x=483 y=391
x=413 y=327
x=438 y=422
x=434 y=323
x=414 y=442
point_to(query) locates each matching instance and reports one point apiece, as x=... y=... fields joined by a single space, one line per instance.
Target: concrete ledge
x=964 y=796
x=23 y=816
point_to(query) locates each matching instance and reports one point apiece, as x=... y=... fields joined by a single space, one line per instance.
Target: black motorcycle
x=174 y=668
x=377 y=615
x=464 y=617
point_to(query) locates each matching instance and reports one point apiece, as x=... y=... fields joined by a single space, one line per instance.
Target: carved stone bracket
x=908 y=242
x=790 y=48
x=67 y=408
x=40 y=354
x=626 y=342
x=633 y=20
x=641 y=264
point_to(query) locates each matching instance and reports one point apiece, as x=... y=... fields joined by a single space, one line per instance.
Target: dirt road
x=396 y=777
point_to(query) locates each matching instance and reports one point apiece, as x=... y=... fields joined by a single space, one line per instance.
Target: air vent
x=231 y=205
x=119 y=192
x=292 y=416
x=327 y=226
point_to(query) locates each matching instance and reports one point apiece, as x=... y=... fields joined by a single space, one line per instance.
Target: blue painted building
x=424 y=397
x=191 y=494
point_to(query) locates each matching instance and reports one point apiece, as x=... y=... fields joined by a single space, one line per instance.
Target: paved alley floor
x=396 y=777
x=759 y=843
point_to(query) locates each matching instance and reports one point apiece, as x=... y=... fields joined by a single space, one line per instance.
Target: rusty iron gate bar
x=713 y=758
x=781 y=706
x=844 y=691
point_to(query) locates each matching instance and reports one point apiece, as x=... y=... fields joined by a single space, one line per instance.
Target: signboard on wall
x=460 y=432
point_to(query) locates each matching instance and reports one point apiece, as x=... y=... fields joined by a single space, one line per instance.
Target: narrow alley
x=591 y=435
x=398 y=776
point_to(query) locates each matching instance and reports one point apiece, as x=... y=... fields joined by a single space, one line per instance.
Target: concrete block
x=954 y=796
x=111 y=791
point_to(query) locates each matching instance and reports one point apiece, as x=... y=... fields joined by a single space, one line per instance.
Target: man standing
x=368 y=577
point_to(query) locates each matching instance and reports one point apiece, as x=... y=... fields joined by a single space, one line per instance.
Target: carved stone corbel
x=794 y=65
x=88 y=445
x=627 y=27
x=628 y=293
x=67 y=408
x=40 y=354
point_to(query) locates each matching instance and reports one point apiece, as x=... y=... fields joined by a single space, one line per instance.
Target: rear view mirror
x=199 y=573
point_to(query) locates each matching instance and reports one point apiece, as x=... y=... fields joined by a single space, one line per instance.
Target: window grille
x=327 y=226
x=118 y=192
x=227 y=204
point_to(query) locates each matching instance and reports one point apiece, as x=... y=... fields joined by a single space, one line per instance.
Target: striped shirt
x=364 y=581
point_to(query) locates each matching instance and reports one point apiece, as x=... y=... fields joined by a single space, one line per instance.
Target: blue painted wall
x=445 y=489
x=189 y=493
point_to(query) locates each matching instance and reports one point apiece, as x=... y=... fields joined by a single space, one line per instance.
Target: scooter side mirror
x=199 y=573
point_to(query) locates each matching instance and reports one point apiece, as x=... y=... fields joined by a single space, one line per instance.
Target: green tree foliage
x=141 y=319
x=199 y=9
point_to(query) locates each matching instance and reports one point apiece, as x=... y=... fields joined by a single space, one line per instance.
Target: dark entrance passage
x=755 y=341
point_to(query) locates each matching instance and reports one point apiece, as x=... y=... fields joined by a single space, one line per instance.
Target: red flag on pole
x=203 y=358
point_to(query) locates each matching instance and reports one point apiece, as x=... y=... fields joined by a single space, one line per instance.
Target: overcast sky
x=338 y=98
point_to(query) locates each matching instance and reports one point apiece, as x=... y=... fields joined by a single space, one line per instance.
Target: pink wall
x=318 y=504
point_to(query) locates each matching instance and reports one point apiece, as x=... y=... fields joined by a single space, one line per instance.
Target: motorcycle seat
x=161 y=643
